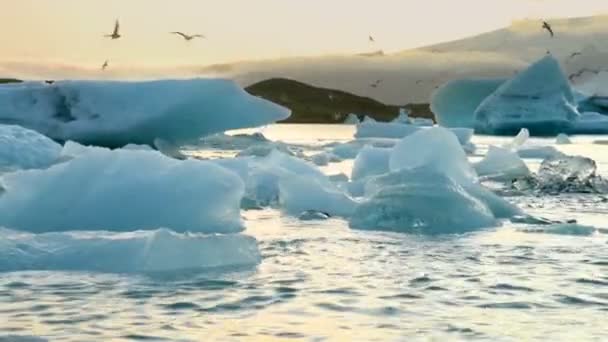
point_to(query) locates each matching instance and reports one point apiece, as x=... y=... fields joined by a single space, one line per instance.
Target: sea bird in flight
x=116 y=33
x=105 y=65
x=188 y=37
x=547 y=27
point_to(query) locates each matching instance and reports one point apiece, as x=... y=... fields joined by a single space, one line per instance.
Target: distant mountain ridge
x=311 y=104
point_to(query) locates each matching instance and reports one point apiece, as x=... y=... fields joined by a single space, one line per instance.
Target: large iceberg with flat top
x=539 y=99
x=22 y=148
x=158 y=250
x=123 y=190
x=114 y=114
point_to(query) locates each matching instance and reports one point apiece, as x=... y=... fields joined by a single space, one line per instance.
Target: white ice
x=539 y=98
x=118 y=113
x=123 y=190
x=455 y=102
x=562 y=139
x=351 y=119
x=301 y=194
x=501 y=164
x=371 y=161
x=427 y=202
x=141 y=251
x=431 y=189
x=437 y=148
x=22 y=148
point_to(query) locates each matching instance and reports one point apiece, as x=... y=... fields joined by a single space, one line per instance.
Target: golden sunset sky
x=70 y=31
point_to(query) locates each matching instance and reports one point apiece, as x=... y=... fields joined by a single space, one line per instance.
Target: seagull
x=371 y=39
x=188 y=37
x=574 y=54
x=105 y=65
x=115 y=34
x=581 y=72
x=375 y=84
x=547 y=27
x=419 y=81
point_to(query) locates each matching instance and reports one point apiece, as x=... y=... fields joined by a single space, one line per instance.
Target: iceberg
x=428 y=202
x=455 y=102
x=321 y=159
x=265 y=175
x=22 y=148
x=562 y=139
x=159 y=250
x=301 y=194
x=90 y=191
x=500 y=164
x=352 y=119
x=393 y=130
x=539 y=99
x=371 y=161
x=564 y=174
x=431 y=189
x=437 y=148
x=375 y=129
x=114 y=114
x=403 y=117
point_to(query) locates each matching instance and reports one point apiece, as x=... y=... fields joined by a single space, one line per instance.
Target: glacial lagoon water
x=321 y=280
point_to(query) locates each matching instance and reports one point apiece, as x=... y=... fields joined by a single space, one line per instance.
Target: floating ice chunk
x=570 y=174
x=571 y=229
x=140 y=251
x=539 y=98
x=313 y=215
x=371 y=161
x=403 y=117
x=501 y=165
x=390 y=130
x=123 y=190
x=374 y=129
x=520 y=139
x=300 y=194
x=368 y=119
x=22 y=148
x=264 y=149
x=352 y=119
x=265 y=174
x=562 y=139
x=320 y=159
x=455 y=102
x=422 y=122
x=436 y=148
x=347 y=150
x=168 y=149
x=464 y=135
x=114 y=114
x=223 y=141
x=427 y=202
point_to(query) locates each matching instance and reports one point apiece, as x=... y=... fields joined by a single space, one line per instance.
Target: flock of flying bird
x=116 y=35
x=188 y=37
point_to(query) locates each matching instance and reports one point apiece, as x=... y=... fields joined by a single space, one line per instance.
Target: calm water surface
x=322 y=281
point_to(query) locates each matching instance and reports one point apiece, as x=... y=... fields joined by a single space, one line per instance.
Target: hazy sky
x=70 y=31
